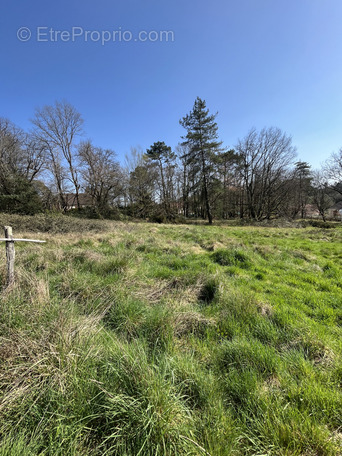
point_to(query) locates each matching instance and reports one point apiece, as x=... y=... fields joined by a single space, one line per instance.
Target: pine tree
x=162 y=155
x=203 y=145
x=303 y=177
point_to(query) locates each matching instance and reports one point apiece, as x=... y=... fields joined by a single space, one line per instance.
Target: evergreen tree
x=303 y=177
x=18 y=195
x=162 y=155
x=203 y=145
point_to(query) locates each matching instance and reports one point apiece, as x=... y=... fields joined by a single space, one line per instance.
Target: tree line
x=52 y=167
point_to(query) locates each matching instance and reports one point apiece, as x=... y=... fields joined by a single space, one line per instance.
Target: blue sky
x=257 y=62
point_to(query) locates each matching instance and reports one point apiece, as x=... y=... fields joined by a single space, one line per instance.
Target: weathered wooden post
x=10 y=255
x=10 y=252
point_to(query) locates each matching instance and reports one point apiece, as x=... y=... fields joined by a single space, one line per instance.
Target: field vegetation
x=143 y=339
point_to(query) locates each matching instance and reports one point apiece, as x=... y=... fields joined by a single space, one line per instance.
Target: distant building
x=335 y=211
x=71 y=202
x=311 y=211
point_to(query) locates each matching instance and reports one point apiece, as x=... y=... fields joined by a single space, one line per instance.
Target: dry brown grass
x=192 y=323
x=28 y=362
x=265 y=309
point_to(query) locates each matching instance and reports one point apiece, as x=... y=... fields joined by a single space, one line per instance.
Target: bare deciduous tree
x=21 y=161
x=101 y=174
x=320 y=189
x=141 y=190
x=265 y=159
x=57 y=127
x=19 y=152
x=333 y=170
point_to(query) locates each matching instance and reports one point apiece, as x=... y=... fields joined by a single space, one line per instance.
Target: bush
x=319 y=224
x=52 y=223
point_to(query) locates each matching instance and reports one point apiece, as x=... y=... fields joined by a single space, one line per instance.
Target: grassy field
x=140 y=339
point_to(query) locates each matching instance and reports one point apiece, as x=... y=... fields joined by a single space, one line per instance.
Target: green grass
x=141 y=339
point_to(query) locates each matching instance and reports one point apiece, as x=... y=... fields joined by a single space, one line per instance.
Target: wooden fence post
x=10 y=255
x=10 y=252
